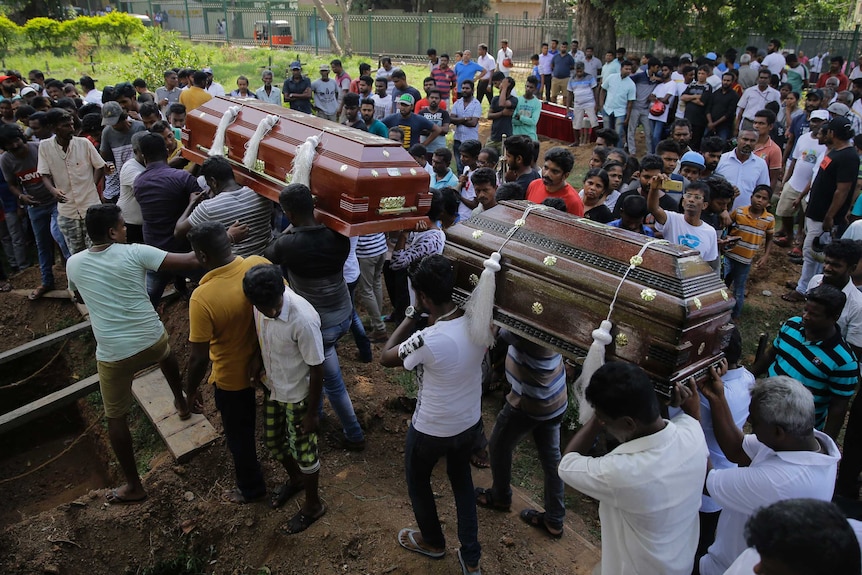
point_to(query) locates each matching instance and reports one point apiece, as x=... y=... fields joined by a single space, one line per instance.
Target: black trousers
x=238 y=411
x=396 y=287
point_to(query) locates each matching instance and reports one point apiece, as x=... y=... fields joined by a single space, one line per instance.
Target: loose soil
x=56 y=520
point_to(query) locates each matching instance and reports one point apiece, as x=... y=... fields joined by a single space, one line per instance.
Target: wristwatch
x=410 y=312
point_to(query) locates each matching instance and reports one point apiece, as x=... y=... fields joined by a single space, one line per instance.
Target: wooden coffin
x=555 y=123
x=362 y=183
x=559 y=274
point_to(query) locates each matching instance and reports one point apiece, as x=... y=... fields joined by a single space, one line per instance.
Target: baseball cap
x=686 y=55
x=841 y=126
x=692 y=159
x=579 y=64
x=27 y=90
x=406 y=99
x=295 y=65
x=820 y=115
x=324 y=68
x=4 y=78
x=818 y=93
x=207 y=70
x=711 y=56
x=111 y=113
x=504 y=41
x=821 y=241
x=836 y=108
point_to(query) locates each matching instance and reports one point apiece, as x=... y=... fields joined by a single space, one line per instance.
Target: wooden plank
x=183 y=438
x=31 y=411
x=53 y=294
x=43 y=342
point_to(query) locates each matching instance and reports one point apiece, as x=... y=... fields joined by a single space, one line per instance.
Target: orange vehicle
x=279 y=30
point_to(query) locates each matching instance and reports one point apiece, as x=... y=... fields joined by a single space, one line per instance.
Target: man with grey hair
x=747 y=74
x=784 y=457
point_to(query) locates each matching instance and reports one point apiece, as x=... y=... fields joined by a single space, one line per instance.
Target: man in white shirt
x=447 y=420
x=577 y=53
x=484 y=88
x=648 y=487
x=288 y=330
x=213 y=88
x=774 y=60
x=268 y=93
x=783 y=458
x=91 y=94
x=504 y=56
x=755 y=99
x=743 y=169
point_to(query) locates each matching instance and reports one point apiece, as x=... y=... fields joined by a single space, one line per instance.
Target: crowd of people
x=99 y=176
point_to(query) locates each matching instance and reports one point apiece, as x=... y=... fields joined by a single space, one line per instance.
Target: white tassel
x=250 y=157
x=480 y=305
x=217 y=148
x=594 y=360
x=300 y=172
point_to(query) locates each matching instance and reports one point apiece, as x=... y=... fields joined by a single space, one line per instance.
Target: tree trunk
x=330 y=28
x=344 y=5
x=596 y=27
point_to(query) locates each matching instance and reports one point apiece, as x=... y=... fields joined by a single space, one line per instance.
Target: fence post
x=429 y=42
x=188 y=19
x=151 y=14
x=226 y=33
x=495 y=33
x=569 y=30
x=851 y=57
x=269 y=29
x=370 y=36
x=314 y=23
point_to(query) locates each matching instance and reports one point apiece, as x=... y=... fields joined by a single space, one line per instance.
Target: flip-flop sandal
x=464 y=569
x=6 y=286
x=480 y=460
x=793 y=297
x=114 y=498
x=536 y=519
x=790 y=285
x=284 y=493
x=489 y=502
x=39 y=292
x=300 y=522
x=236 y=497
x=411 y=544
x=795 y=253
x=781 y=241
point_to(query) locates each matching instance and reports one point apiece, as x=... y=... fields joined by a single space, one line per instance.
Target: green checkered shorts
x=281 y=423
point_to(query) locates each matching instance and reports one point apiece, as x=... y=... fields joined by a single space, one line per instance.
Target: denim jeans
x=42 y=220
x=639 y=117
x=238 y=410
x=333 y=382
x=657 y=133
x=618 y=124
x=18 y=231
x=158 y=281
x=357 y=330
x=511 y=427
x=811 y=266
x=736 y=275
x=421 y=454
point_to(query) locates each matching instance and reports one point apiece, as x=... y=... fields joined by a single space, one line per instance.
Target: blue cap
x=295 y=65
x=711 y=56
x=692 y=159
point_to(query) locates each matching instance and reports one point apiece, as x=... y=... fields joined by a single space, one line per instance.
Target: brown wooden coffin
x=362 y=183
x=559 y=274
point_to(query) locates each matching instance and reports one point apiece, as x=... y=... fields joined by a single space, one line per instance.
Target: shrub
x=120 y=27
x=9 y=33
x=159 y=51
x=43 y=33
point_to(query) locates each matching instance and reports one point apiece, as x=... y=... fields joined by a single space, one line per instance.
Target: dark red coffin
x=362 y=183
x=559 y=274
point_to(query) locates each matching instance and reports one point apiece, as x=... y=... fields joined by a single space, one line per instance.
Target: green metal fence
x=409 y=35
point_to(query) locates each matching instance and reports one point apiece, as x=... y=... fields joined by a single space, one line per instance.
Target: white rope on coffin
x=250 y=158
x=217 y=148
x=300 y=172
x=601 y=339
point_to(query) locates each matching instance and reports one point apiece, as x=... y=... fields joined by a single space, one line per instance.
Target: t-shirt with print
x=838 y=166
x=243 y=205
x=526 y=117
x=583 y=90
x=325 y=96
x=114 y=286
x=437 y=118
x=446 y=366
x=805 y=152
x=694 y=113
x=413 y=125
x=678 y=231
x=117 y=147
x=23 y=172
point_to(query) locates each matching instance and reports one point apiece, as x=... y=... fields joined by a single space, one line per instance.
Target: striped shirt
x=537 y=377
x=827 y=368
x=245 y=205
x=443 y=81
x=371 y=245
x=752 y=231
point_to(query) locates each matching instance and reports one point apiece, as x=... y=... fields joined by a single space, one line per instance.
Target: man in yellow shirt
x=196 y=94
x=221 y=329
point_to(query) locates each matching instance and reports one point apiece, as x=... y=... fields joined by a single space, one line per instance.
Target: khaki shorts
x=115 y=377
x=784 y=209
x=578 y=117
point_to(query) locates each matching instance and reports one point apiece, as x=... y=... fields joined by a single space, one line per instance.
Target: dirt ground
x=55 y=520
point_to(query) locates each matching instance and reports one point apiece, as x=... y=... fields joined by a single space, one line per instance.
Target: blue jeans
x=42 y=220
x=238 y=410
x=333 y=382
x=657 y=134
x=421 y=454
x=618 y=124
x=736 y=275
x=511 y=427
x=357 y=329
x=158 y=281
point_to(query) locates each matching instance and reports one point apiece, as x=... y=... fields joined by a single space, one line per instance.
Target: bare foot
x=125 y=494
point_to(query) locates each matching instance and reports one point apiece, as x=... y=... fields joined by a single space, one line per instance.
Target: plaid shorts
x=281 y=423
